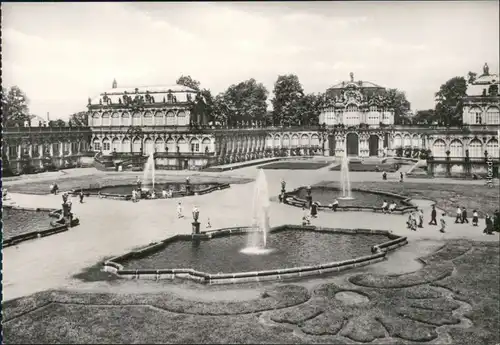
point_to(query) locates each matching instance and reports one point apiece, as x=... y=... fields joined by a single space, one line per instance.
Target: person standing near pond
x=335 y=205
x=443 y=223
x=401 y=176
x=392 y=207
x=433 y=216
x=81 y=195
x=385 y=206
x=384 y=176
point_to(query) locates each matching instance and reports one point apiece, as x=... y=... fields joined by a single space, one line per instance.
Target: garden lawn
x=369 y=167
x=457 y=291
x=113 y=179
x=295 y=165
x=446 y=195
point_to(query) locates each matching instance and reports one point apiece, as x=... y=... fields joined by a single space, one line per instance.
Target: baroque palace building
x=128 y=124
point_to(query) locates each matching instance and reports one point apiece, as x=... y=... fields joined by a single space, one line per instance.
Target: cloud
x=81 y=47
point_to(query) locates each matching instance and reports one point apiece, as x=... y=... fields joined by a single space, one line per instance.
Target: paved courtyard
x=112 y=227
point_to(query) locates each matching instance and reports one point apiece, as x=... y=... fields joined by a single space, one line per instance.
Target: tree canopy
x=79 y=119
x=15 y=109
x=244 y=103
x=288 y=101
x=396 y=99
x=449 y=101
x=186 y=80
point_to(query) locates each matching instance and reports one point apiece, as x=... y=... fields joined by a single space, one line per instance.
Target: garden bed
x=296 y=165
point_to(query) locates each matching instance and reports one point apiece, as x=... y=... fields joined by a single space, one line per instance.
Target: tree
x=449 y=99
x=396 y=100
x=79 y=119
x=14 y=107
x=288 y=94
x=425 y=117
x=246 y=103
x=57 y=123
x=310 y=108
x=189 y=82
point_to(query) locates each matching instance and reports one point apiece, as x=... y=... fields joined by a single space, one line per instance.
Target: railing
x=12 y=130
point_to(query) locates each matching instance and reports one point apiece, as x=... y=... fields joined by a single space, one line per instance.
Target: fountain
x=149 y=170
x=345 y=182
x=257 y=239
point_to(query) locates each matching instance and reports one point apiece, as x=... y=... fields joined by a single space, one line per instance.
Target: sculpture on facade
x=352 y=76
x=486 y=69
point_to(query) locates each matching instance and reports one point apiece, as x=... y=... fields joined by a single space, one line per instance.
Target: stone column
x=61 y=148
x=19 y=150
x=30 y=150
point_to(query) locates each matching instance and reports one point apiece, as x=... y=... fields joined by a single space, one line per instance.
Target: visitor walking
x=314 y=210
x=496 y=221
x=164 y=194
x=384 y=176
x=401 y=176
x=335 y=205
x=464 y=216
x=433 y=216
x=459 y=215
x=65 y=197
x=209 y=225
x=81 y=195
x=385 y=206
x=420 y=218
x=392 y=207
x=179 y=210
x=411 y=223
x=443 y=223
x=134 y=195
x=489 y=225
x=475 y=218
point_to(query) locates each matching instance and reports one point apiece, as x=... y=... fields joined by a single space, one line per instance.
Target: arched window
x=106 y=145
x=125 y=119
x=286 y=141
x=106 y=119
x=96 y=144
x=159 y=119
x=115 y=119
x=148 y=146
x=475 y=116
x=475 y=149
x=439 y=148
x=116 y=145
x=136 y=145
x=397 y=140
x=304 y=140
x=170 y=144
x=295 y=140
x=456 y=149
x=171 y=119
x=315 y=140
x=148 y=119
x=182 y=119
x=159 y=145
x=492 y=116
x=415 y=141
x=407 y=140
x=195 y=145
x=96 y=119
x=126 y=145
x=136 y=119
x=492 y=148
x=183 y=145
x=269 y=141
x=206 y=143
x=277 y=141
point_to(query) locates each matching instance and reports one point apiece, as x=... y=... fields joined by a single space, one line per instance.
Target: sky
x=60 y=54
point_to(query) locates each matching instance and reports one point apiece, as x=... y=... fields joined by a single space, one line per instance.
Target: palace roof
x=358 y=84
x=158 y=92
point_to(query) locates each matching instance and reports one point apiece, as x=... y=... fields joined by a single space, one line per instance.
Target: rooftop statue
x=352 y=76
x=486 y=69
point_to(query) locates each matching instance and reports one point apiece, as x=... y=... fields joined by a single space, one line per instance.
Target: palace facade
x=128 y=124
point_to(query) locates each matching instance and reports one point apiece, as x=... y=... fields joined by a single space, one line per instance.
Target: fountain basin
x=215 y=257
x=362 y=200
x=178 y=189
x=22 y=224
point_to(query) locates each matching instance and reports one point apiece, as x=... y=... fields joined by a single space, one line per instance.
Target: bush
x=399 y=152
